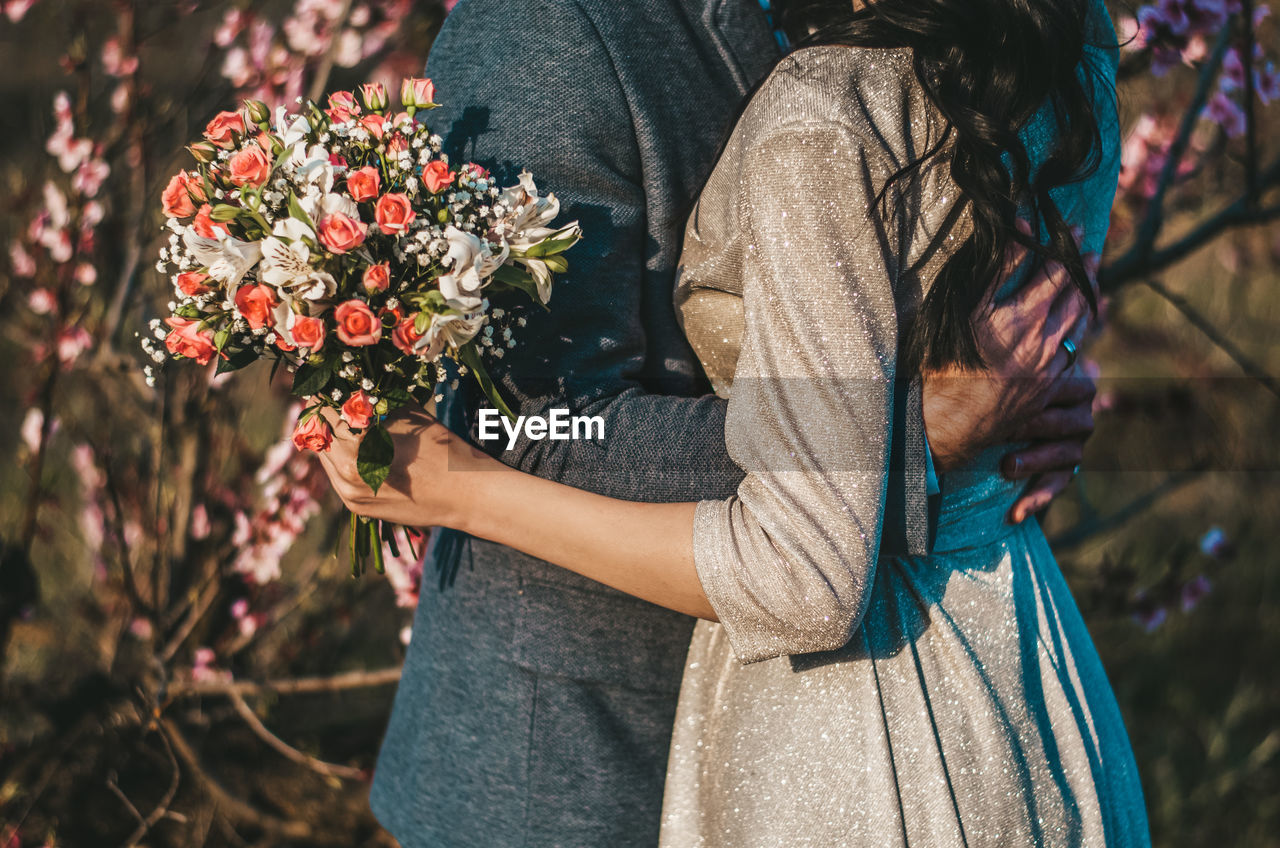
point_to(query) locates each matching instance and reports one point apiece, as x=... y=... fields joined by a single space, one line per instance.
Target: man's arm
x=528 y=83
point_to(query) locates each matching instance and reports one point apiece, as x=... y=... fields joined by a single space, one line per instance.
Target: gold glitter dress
x=949 y=700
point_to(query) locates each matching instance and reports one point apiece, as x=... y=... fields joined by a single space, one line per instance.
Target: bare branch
x=296 y=686
x=162 y=807
x=1149 y=230
x=205 y=600
x=288 y=751
x=229 y=805
x=1250 y=367
x=1132 y=266
x=1076 y=536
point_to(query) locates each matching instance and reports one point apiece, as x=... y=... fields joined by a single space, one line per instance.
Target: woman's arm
x=642 y=549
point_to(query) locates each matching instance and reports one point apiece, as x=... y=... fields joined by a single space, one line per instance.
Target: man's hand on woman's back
x=1032 y=390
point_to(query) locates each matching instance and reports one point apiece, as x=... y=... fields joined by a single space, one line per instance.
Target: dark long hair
x=988 y=66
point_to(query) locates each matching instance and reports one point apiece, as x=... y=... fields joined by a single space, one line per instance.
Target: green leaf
x=236 y=360
x=557 y=264
x=518 y=279
x=227 y=212
x=357 y=562
x=189 y=311
x=470 y=356
x=396 y=398
x=296 y=211
x=373 y=461
x=375 y=541
x=309 y=380
x=389 y=536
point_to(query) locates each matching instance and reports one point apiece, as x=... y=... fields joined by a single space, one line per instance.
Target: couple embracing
x=827 y=307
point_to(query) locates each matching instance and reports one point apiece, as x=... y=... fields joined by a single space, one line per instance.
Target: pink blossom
x=1151 y=619
x=24 y=265
x=115 y=61
x=90 y=177
x=86 y=274
x=1267 y=82
x=202 y=670
x=404 y=573
x=233 y=23
x=350 y=49
x=140 y=629
x=1227 y=113
x=72 y=341
x=120 y=98
x=42 y=302
x=1194 y=591
x=199 y=527
x=236 y=67
x=16 y=10
x=32 y=425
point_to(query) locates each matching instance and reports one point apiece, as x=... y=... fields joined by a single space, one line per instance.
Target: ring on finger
x=1073 y=352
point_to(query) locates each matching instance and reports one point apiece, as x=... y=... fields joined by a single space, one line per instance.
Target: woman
x=843 y=699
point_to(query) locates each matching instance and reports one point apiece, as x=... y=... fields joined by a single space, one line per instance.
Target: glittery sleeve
x=788 y=563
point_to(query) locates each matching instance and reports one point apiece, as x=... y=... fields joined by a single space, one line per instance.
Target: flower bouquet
x=340 y=243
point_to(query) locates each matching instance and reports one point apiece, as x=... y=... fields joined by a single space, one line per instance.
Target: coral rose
x=185 y=338
x=364 y=183
x=192 y=283
x=373 y=123
x=313 y=434
x=437 y=176
x=357 y=325
x=340 y=234
x=417 y=92
x=224 y=127
x=308 y=332
x=405 y=336
x=178 y=195
x=204 y=225
x=377 y=278
x=342 y=106
x=256 y=304
x=375 y=96
x=358 y=412
x=394 y=213
x=250 y=167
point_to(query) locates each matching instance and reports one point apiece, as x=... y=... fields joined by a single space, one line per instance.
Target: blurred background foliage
x=183 y=658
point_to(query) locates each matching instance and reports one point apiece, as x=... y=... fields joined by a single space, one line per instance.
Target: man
x=536 y=706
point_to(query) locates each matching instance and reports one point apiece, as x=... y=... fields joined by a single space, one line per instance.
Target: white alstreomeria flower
x=528 y=210
x=228 y=259
x=286 y=263
x=471 y=263
x=453 y=329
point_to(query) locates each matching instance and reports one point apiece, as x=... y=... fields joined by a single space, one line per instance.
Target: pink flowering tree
x=178 y=563
x=171 y=608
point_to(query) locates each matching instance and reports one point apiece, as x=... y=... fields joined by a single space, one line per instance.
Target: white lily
x=286 y=266
x=542 y=277
x=449 y=329
x=227 y=259
x=528 y=210
x=294 y=132
x=311 y=165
